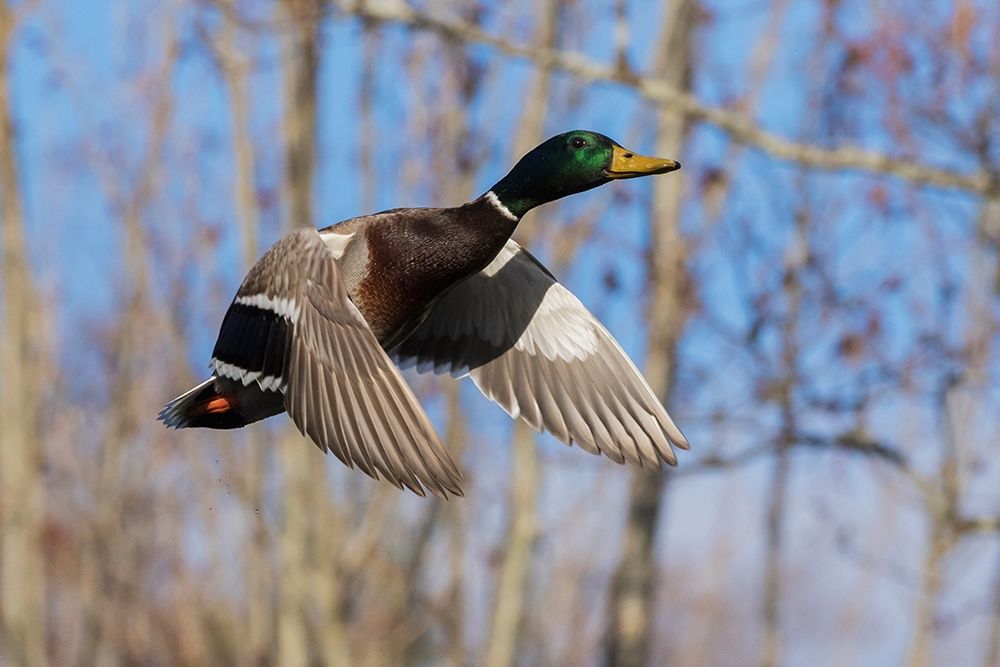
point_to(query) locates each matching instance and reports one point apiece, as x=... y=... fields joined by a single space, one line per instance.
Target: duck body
x=398 y=262
x=394 y=266
x=323 y=319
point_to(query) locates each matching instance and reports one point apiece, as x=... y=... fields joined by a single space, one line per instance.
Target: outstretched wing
x=292 y=328
x=533 y=348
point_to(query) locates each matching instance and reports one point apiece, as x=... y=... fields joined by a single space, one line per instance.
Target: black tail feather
x=189 y=409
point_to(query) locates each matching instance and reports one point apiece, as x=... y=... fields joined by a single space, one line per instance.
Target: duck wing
x=532 y=347
x=293 y=328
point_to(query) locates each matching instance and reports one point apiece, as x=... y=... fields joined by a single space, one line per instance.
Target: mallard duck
x=322 y=320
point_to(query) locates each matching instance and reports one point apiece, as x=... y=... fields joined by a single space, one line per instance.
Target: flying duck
x=324 y=318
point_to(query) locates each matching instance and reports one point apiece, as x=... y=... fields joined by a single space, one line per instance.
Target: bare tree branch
x=740 y=127
x=847 y=443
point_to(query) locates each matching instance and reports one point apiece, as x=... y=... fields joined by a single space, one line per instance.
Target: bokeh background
x=816 y=296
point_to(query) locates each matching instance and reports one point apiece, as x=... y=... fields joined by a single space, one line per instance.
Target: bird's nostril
x=628 y=155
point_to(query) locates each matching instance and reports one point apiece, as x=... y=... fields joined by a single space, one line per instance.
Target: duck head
x=569 y=163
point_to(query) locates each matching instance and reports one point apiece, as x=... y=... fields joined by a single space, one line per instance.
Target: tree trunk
x=302 y=66
x=512 y=582
x=258 y=575
x=633 y=588
x=310 y=625
x=22 y=511
x=234 y=70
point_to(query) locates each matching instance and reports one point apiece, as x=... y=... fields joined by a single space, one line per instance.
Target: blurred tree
x=22 y=490
x=632 y=614
x=310 y=626
x=522 y=525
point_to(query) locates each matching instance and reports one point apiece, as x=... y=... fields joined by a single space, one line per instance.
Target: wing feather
x=530 y=345
x=341 y=389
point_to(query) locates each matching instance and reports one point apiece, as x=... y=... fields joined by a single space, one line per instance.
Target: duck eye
x=578 y=142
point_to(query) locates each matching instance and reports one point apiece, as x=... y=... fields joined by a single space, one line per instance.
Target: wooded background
x=816 y=296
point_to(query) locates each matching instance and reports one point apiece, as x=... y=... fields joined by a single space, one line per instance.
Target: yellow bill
x=626 y=164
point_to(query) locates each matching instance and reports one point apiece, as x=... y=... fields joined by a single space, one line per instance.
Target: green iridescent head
x=569 y=163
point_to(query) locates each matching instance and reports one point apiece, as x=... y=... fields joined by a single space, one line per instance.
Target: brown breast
x=413 y=257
